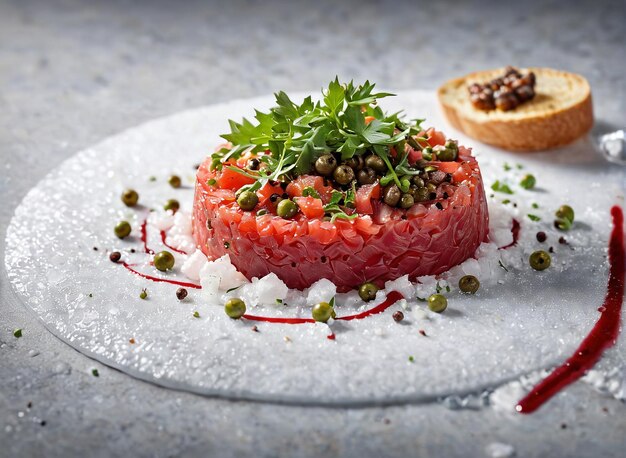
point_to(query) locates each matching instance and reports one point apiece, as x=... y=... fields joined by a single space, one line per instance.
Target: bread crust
x=534 y=132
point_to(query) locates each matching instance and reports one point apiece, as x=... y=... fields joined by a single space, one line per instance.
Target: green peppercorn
x=325 y=165
x=366 y=176
x=175 y=181
x=376 y=163
x=407 y=200
x=172 y=204
x=286 y=209
x=322 y=312
x=427 y=154
x=469 y=284
x=417 y=181
x=343 y=174
x=437 y=303
x=247 y=200
x=392 y=195
x=130 y=197
x=164 y=261
x=122 y=229
x=447 y=154
x=528 y=181
x=235 y=308
x=540 y=260
x=367 y=291
x=564 y=217
x=421 y=194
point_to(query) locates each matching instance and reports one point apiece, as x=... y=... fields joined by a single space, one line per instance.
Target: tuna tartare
x=341 y=190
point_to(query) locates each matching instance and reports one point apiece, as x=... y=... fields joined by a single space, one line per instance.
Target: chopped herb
x=95 y=372
x=332 y=302
x=152 y=178
x=533 y=217
x=502 y=265
x=535 y=205
x=501 y=187
x=507 y=167
x=279 y=301
x=296 y=135
x=310 y=191
x=143 y=294
x=17 y=333
x=233 y=289
x=411 y=359
x=519 y=166
x=506 y=201
x=196 y=314
x=90 y=294
x=211 y=181
x=448 y=288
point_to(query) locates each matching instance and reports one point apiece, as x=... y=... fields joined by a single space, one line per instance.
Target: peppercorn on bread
x=559 y=112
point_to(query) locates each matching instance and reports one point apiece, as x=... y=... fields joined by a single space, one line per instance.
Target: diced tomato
x=310 y=206
x=364 y=196
x=266 y=192
x=365 y=225
x=229 y=179
x=323 y=231
x=248 y=222
x=462 y=173
x=448 y=167
x=435 y=137
x=414 y=155
x=295 y=188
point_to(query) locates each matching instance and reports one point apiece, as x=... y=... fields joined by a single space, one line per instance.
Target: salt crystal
x=222 y=268
x=193 y=265
x=322 y=290
x=401 y=285
x=270 y=288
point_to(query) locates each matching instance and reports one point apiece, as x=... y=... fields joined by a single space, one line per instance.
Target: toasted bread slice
x=560 y=112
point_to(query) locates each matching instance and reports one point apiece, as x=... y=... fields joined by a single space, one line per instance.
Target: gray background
x=72 y=73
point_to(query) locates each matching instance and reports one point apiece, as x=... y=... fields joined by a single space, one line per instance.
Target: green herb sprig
x=295 y=135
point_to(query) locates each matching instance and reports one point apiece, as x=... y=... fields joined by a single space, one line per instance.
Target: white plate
x=531 y=321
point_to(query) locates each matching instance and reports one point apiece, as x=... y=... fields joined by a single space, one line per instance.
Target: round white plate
x=530 y=321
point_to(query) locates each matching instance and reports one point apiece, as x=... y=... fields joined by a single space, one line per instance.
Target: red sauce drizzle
x=163 y=237
x=602 y=336
x=515 y=231
x=391 y=299
x=144 y=237
x=157 y=279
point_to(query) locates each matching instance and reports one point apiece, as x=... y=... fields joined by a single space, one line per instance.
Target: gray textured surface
x=72 y=74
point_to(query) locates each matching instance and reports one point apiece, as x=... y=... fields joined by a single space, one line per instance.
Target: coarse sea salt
x=485 y=265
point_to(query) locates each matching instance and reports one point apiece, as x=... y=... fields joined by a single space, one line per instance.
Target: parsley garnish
x=295 y=135
x=533 y=217
x=501 y=187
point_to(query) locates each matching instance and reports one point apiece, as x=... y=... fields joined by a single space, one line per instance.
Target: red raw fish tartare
x=372 y=200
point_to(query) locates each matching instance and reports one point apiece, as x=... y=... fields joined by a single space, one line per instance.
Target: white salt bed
x=518 y=321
